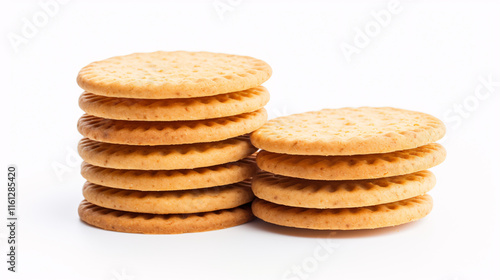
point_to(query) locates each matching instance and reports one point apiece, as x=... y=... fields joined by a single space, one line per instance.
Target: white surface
x=429 y=58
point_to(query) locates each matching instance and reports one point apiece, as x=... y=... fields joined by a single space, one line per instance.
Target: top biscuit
x=348 y=131
x=179 y=74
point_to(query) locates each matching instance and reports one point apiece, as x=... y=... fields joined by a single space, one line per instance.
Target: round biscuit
x=169 y=180
x=130 y=222
x=167 y=157
x=340 y=194
x=180 y=109
x=169 y=202
x=169 y=133
x=352 y=167
x=348 y=131
x=368 y=217
x=177 y=74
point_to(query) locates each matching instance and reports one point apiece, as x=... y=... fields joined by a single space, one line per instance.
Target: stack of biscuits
x=348 y=168
x=166 y=145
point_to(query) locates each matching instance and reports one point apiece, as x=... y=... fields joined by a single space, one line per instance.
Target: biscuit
x=340 y=194
x=168 y=180
x=164 y=157
x=178 y=74
x=348 y=131
x=170 y=202
x=162 y=223
x=180 y=109
x=169 y=133
x=352 y=167
x=368 y=217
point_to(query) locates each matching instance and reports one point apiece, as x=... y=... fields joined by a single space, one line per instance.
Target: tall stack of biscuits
x=166 y=146
x=349 y=168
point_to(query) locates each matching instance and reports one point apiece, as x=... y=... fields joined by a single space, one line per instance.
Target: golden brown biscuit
x=177 y=74
x=169 y=133
x=168 y=180
x=164 y=157
x=352 y=167
x=180 y=109
x=348 y=131
x=170 y=202
x=160 y=223
x=368 y=217
x=340 y=194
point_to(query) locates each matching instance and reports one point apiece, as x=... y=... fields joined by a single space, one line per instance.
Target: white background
x=430 y=57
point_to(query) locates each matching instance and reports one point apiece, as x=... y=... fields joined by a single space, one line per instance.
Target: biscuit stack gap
x=349 y=168
x=166 y=146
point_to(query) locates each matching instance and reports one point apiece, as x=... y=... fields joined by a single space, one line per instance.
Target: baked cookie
x=348 y=131
x=167 y=157
x=178 y=74
x=179 y=109
x=368 y=217
x=169 y=133
x=170 y=202
x=340 y=194
x=352 y=167
x=169 y=180
x=162 y=223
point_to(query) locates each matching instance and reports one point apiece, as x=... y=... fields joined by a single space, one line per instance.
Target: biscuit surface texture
x=162 y=223
x=169 y=202
x=348 y=131
x=340 y=194
x=209 y=107
x=164 y=157
x=178 y=74
x=352 y=167
x=369 y=217
x=169 y=133
x=167 y=180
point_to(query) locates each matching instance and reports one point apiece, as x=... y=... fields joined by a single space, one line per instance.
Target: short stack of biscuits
x=348 y=168
x=166 y=146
